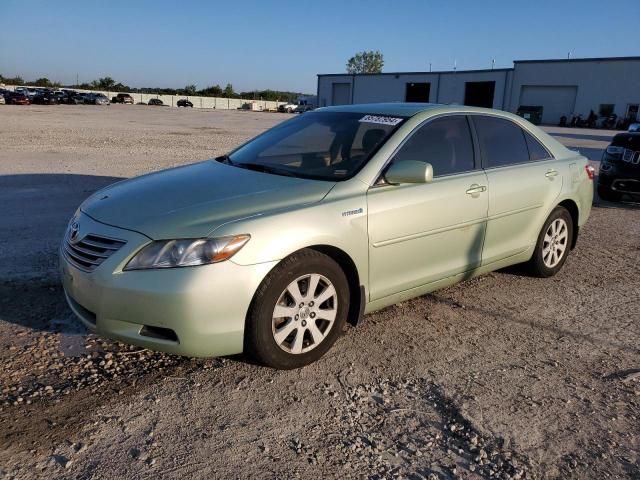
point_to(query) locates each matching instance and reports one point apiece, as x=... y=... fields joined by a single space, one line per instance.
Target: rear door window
x=501 y=141
x=536 y=149
x=445 y=143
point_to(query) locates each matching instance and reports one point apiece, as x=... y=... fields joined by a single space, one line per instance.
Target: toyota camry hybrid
x=274 y=247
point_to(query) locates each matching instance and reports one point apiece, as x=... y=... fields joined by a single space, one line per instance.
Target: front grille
x=631 y=156
x=91 y=251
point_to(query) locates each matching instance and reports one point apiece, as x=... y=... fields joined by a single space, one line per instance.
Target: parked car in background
x=342 y=211
x=16 y=98
x=2 y=100
x=183 y=102
x=634 y=127
x=45 y=97
x=122 y=98
x=75 y=98
x=30 y=93
x=97 y=99
x=301 y=105
x=620 y=168
x=155 y=101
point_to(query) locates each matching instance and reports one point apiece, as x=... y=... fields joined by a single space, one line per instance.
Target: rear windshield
x=322 y=145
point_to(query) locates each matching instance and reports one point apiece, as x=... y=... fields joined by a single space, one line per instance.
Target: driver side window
x=445 y=143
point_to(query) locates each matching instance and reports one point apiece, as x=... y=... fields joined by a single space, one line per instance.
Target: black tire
x=608 y=195
x=259 y=339
x=537 y=264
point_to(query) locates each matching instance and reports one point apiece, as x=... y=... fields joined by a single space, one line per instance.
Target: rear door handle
x=476 y=189
x=551 y=173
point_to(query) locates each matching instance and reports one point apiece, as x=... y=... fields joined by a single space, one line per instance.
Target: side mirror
x=409 y=171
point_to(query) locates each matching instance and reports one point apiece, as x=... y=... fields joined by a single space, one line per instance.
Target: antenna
x=493 y=63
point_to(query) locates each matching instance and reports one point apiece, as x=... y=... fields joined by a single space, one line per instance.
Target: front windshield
x=321 y=145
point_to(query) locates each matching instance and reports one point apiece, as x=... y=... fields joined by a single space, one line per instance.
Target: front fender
x=336 y=222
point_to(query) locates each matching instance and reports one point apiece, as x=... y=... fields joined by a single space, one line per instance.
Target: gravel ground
x=503 y=376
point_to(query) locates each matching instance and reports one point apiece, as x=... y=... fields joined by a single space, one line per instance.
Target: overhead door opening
x=479 y=94
x=555 y=101
x=341 y=94
x=418 y=92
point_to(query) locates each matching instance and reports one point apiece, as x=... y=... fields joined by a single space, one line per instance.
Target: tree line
x=109 y=84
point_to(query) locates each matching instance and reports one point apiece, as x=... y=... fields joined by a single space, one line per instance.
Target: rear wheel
x=298 y=312
x=554 y=243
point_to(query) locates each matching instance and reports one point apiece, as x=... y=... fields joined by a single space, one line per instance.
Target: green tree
x=17 y=80
x=366 y=62
x=228 y=91
x=43 y=82
x=105 y=83
x=190 y=90
x=214 y=91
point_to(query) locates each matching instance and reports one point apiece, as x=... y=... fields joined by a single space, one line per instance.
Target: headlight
x=613 y=150
x=187 y=252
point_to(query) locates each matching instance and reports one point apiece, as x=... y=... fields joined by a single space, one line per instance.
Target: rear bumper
x=204 y=307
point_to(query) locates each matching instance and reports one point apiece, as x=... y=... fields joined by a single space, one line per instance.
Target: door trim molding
x=413 y=236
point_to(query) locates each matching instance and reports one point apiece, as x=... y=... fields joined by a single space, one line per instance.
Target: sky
x=283 y=45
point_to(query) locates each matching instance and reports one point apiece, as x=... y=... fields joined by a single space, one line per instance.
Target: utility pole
x=493 y=63
x=429 y=66
x=77 y=83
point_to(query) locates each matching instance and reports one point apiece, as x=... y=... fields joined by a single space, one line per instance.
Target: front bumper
x=205 y=306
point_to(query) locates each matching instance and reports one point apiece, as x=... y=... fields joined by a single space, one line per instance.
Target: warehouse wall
x=597 y=82
x=445 y=87
x=549 y=82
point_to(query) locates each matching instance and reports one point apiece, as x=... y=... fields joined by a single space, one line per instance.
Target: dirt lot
x=504 y=376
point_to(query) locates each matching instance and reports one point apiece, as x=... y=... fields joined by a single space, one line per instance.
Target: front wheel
x=298 y=312
x=554 y=243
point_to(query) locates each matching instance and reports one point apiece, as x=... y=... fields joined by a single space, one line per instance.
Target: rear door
x=524 y=181
x=421 y=233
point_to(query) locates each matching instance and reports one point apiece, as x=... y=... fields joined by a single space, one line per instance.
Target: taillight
x=591 y=172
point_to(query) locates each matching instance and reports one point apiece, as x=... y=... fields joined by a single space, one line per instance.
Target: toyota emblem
x=73 y=231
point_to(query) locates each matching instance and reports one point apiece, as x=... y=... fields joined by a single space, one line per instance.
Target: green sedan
x=273 y=248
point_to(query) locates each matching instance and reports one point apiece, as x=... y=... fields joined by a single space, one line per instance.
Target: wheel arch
x=356 y=288
x=574 y=211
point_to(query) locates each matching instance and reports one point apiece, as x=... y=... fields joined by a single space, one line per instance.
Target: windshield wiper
x=224 y=159
x=259 y=167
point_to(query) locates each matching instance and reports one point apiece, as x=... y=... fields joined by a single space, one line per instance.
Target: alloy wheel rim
x=555 y=242
x=304 y=313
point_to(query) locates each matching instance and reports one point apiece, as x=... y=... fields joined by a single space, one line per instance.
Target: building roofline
x=487 y=70
x=438 y=72
x=585 y=59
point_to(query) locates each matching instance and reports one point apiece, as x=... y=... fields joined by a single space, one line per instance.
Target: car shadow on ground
x=35 y=210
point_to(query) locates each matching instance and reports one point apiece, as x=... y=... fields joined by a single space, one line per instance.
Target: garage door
x=555 y=100
x=341 y=94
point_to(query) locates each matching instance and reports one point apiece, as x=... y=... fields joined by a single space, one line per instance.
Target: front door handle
x=476 y=189
x=551 y=173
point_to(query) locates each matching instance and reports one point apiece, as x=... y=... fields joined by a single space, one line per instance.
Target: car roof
x=406 y=109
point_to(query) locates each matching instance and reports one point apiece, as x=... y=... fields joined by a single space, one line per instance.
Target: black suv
x=185 y=103
x=620 y=168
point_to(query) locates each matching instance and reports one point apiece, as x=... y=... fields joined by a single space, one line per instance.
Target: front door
x=421 y=233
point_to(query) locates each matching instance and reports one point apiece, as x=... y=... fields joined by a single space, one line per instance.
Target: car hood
x=192 y=201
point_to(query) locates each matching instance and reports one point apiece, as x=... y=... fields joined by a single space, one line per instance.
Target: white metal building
x=543 y=90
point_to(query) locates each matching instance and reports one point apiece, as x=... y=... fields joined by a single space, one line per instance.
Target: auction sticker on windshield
x=380 y=120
